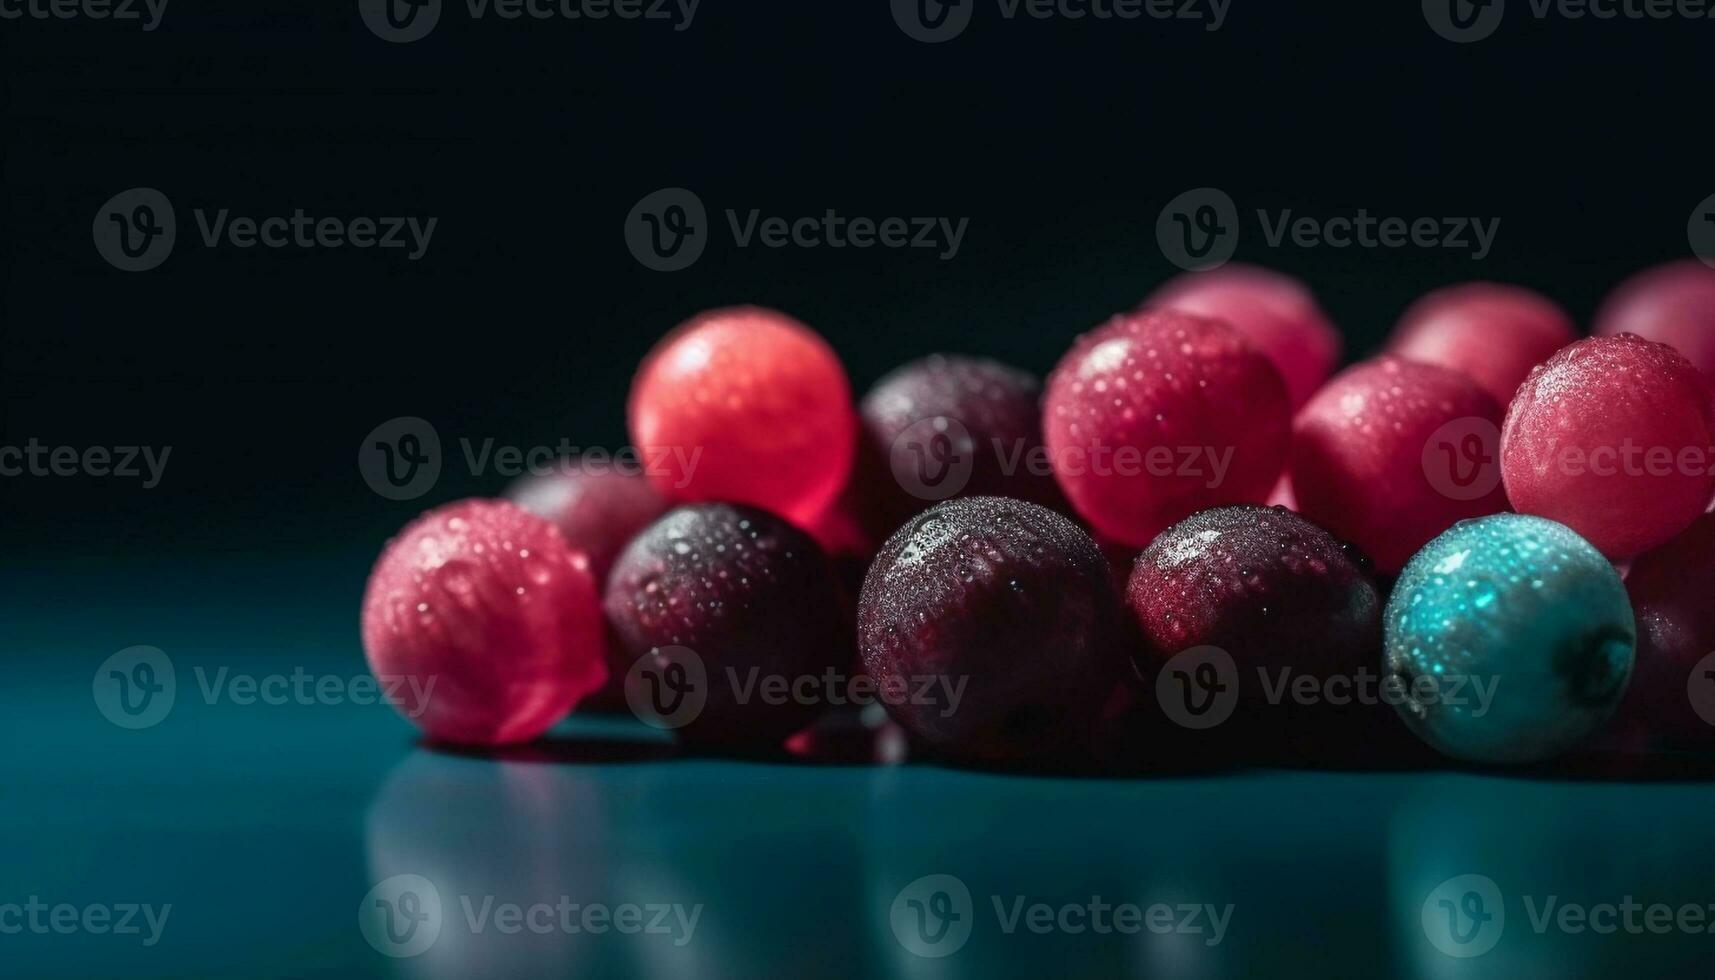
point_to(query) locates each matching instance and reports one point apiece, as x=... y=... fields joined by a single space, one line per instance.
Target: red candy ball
x=1272 y=310
x=1489 y=332
x=597 y=507
x=1670 y=304
x=1612 y=437
x=746 y=405
x=1672 y=694
x=1158 y=414
x=488 y=613
x=1391 y=453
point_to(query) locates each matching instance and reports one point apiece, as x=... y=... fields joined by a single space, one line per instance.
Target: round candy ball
x=1274 y=311
x=1273 y=591
x=1391 y=453
x=996 y=628
x=717 y=609
x=1670 y=304
x=1672 y=697
x=598 y=507
x=1612 y=437
x=959 y=426
x=746 y=405
x=1158 y=414
x=1511 y=639
x=1491 y=332
x=489 y=618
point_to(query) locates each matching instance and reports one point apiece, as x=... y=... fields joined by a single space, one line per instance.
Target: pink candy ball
x=1158 y=414
x=1613 y=437
x=1670 y=304
x=1490 y=332
x=749 y=406
x=1367 y=461
x=485 y=610
x=1272 y=310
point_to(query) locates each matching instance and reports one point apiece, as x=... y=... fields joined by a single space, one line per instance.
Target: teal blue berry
x=1509 y=639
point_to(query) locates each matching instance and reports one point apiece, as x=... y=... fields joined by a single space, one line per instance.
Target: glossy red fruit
x=1491 y=332
x=1671 y=304
x=1156 y=415
x=746 y=405
x=1612 y=437
x=1672 y=695
x=753 y=600
x=1274 y=311
x=598 y=507
x=996 y=622
x=486 y=610
x=1283 y=601
x=1392 y=452
x=959 y=426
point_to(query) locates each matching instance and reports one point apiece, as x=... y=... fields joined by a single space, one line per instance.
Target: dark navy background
x=530 y=141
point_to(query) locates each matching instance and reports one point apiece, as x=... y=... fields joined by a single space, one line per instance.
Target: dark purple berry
x=992 y=630
x=951 y=426
x=755 y=602
x=1282 y=599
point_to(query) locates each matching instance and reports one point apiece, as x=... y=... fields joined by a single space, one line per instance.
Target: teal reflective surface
x=274 y=830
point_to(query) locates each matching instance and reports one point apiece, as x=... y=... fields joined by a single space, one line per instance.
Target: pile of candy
x=1189 y=532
